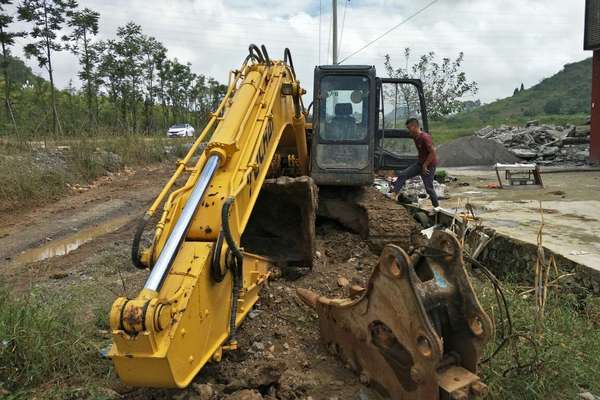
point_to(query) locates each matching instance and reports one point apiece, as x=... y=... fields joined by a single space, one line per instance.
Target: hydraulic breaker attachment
x=417 y=330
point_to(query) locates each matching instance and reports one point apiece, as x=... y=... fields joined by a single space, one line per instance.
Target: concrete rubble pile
x=543 y=144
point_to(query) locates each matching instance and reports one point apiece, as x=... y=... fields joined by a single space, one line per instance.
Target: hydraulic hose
x=215 y=266
x=265 y=55
x=287 y=58
x=255 y=52
x=238 y=260
x=135 y=246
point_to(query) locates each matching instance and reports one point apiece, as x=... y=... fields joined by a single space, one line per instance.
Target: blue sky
x=505 y=42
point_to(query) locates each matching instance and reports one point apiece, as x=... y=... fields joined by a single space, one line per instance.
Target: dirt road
x=79 y=248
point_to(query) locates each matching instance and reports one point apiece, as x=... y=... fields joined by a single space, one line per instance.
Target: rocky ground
x=543 y=144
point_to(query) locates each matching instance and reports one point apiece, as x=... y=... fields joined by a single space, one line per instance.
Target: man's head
x=412 y=124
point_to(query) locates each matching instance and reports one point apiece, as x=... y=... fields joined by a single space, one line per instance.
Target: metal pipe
x=178 y=233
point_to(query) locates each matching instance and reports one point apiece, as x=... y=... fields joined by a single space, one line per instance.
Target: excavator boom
x=202 y=283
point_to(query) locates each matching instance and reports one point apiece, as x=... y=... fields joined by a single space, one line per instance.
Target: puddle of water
x=72 y=242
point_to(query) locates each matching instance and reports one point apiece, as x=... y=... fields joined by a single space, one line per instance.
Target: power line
x=391 y=29
x=343 y=23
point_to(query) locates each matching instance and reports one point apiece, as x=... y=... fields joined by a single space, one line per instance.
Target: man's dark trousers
x=412 y=171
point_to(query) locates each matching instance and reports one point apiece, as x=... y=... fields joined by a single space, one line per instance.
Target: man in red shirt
x=426 y=164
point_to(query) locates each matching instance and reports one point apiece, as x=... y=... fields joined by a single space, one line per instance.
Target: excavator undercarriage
x=256 y=179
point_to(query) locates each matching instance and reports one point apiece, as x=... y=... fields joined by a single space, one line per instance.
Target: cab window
x=344 y=108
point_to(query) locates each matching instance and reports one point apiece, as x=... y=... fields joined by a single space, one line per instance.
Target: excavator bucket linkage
x=417 y=330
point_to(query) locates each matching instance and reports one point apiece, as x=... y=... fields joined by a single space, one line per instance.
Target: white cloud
x=505 y=42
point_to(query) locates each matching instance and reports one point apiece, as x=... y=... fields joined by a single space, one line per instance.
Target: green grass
x=568 y=347
x=33 y=174
x=43 y=341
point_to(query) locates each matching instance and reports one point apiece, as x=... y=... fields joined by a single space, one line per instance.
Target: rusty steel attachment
x=417 y=330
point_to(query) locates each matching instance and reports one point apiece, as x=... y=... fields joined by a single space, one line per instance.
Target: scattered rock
x=343 y=282
x=245 y=394
x=587 y=396
x=525 y=154
x=205 y=391
x=532 y=123
x=258 y=346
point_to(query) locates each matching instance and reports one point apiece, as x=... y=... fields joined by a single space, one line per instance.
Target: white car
x=181 y=130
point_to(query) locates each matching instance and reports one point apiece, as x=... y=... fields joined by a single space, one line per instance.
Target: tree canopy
x=444 y=82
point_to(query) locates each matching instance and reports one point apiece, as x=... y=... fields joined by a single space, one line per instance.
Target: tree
x=553 y=106
x=47 y=17
x=522 y=87
x=129 y=49
x=85 y=25
x=7 y=39
x=516 y=91
x=155 y=53
x=444 y=83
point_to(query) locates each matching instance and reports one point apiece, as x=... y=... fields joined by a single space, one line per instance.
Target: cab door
x=398 y=100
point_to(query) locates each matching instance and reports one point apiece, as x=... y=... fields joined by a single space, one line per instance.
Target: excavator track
x=368 y=212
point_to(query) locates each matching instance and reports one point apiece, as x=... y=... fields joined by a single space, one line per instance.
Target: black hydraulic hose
x=254 y=50
x=135 y=246
x=215 y=266
x=287 y=58
x=266 y=54
x=238 y=259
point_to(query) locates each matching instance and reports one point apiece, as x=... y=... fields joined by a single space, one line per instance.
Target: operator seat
x=343 y=124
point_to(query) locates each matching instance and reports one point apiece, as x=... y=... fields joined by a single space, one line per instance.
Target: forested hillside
x=126 y=84
x=568 y=92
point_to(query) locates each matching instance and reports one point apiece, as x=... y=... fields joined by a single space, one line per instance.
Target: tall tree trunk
x=88 y=71
x=164 y=105
x=50 y=74
x=9 y=113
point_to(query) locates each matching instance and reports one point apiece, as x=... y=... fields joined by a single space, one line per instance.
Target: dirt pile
x=473 y=151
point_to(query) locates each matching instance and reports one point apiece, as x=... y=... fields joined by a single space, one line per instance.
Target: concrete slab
x=570 y=203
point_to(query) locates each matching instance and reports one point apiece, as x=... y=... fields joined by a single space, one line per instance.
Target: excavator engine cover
x=417 y=331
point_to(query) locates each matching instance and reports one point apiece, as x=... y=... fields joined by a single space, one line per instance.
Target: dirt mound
x=473 y=150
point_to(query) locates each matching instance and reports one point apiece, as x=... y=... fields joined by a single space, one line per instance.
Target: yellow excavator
x=245 y=199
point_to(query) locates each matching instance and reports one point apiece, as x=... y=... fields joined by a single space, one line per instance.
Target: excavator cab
x=358 y=124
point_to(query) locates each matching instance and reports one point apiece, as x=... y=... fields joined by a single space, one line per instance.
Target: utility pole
x=335 y=26
x=595 y=114
x=592 y=42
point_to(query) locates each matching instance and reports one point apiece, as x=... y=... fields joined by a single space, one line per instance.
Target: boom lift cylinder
x=181 y=227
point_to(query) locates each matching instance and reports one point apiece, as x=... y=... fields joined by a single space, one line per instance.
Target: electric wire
x=410 y=17
x=346 y=2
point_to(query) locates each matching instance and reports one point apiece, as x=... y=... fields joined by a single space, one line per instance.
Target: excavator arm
x=202 y=283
